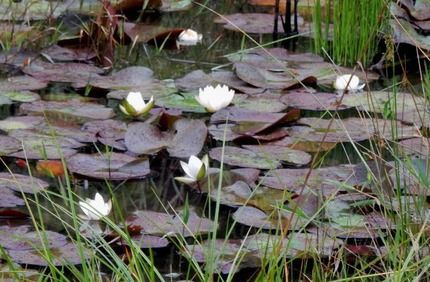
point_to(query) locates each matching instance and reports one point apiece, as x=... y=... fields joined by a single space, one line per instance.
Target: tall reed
x=349 y=28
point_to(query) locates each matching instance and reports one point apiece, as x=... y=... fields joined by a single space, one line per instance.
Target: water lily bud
x=214 y=99
x=348 y=82
x=134 y=105
x=195 y=170
x=97 y=208
x=189 y=37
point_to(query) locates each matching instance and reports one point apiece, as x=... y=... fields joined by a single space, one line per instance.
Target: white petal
x=194 y=165
x=135 y=100
x=186 y=169
x=185 y=180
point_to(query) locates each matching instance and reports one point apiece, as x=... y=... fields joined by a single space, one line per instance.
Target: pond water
x=266 y=174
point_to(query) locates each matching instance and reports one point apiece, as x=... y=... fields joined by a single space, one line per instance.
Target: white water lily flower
x=348 y=82
x=189 y=37
x=97 y=208
x=214 y=99
x=134 y=105
x=195 y=169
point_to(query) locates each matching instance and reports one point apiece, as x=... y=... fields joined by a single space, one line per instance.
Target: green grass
x=349 y=29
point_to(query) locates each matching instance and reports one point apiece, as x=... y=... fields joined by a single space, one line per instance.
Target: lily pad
x=112 y=166
x=22 y=183
x=9 y=145
x=225 y=253
x=64 y=255
x=189 y=137
x=184 y=101
x=419 y=146
x=9 y=199
x=21 y=239
x=109 y=132
x=284 y=154
x=243 y=158
x=257 y=218
x=148 y=241
x=21 y=83
x=68 y=111
x=327 y=180
x=78 y=74
x=250 y=23
x=62 y=54
x=159 y=223
x=350 y=129
x=128 y=78
x=20 y=96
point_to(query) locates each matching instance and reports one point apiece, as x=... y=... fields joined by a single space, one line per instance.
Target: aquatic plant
x=214 y=99
x=96 y=208
x=348 y=82
x=134 y=105
x=195 y=170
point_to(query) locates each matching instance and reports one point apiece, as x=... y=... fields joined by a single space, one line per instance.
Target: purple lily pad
x=71 y=110
x=250 y=23
x=76 y=73
x=62 y=54
x=21 y=239
x=188 y=139
x=112 y=166
x=64 y=255
x=9 y=199
x=109 y=132
x=128 y=78
x=22 y=83
x=159 y=223
x=9 y=145
x=22 y=183
x=244 y=158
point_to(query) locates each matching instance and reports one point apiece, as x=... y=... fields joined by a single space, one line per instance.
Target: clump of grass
x=356 y=26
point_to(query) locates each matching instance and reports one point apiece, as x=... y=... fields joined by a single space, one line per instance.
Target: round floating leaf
x=158 y=223
x=20 y=96
x=259 y=219
x=9 y=199
x=153 y=87
x=21 y=83
x=45 y=152
x=225 y=252
x=285 y=154
x=188 y=139
x=250 y=23
x=20 y=239
x=112 y=166
x=148 y=241
x=328 y=180
x=128 y=78
x=64 y=255
x=76 y=73
x=184 y=101
x=244 y=158
x=260 y=102
x=418 y=146
x=61 y=54
x=20 y=122
x=22 y=183
x=71 y=110
x=108 y=132
x=9 y=145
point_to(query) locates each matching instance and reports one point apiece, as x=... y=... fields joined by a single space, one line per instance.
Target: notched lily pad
x=112 y=166
x=185 y=138
x=22 y=83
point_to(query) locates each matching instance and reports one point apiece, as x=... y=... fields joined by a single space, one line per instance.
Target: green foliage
x=356 y=26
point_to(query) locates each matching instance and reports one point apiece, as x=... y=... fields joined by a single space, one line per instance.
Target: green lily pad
x=112 y=166
x=184 y=101
x=243 y=158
